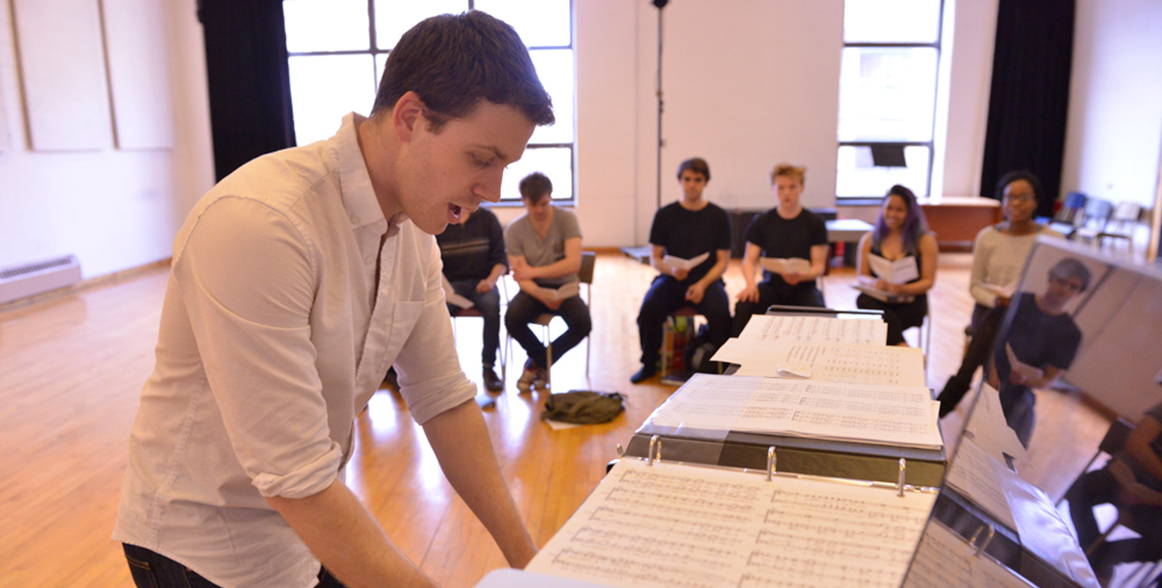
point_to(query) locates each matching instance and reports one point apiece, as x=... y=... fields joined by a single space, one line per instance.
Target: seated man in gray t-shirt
x=544 y=251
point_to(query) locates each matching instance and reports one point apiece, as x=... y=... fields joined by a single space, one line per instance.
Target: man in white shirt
x=296 y=282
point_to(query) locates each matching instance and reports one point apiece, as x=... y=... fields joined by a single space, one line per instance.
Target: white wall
x=114 y=209
x=1113 y=138
x=971 y=46
x=746 y=84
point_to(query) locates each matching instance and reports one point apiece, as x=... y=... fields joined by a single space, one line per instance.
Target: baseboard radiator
x=30 y=279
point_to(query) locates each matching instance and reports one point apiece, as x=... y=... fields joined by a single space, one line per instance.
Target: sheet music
x=452 y=297
x=686 y=264
x=881 y=365
x=896 y=415
x=816 y=329
x=900 y=271
x=944 y=560
x=671 y=525
x=974 y=473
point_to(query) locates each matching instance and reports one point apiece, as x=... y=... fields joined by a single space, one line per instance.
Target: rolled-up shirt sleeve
x=430 y=376
x=246 y=275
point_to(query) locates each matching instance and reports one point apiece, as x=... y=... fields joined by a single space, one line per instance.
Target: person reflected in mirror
x=1038 y=345
x=1131 y=482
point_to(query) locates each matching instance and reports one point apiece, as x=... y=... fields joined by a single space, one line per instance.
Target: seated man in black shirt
x=784 y=232
x=474 y=259
x=686 y=229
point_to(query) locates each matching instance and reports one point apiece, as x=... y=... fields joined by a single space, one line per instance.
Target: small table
x=957 y=219
x=849 y=231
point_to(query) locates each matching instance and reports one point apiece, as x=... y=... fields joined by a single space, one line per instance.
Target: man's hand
x=794 y=278
x=552 y=303
x=1003 y=301
x=695 y=292
x=679 y=273
x=484 y=286
x=749 y=294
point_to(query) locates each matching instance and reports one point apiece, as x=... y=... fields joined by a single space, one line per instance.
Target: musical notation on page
x=898 y=415
x=832 y=362
x=815 y=329
x=944 y=560
x=693 y=527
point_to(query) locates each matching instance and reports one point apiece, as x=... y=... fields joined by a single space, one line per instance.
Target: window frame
x=931 y=142
x=375 y=52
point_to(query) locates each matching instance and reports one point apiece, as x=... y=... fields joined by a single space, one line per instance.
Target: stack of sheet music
x=700 y=524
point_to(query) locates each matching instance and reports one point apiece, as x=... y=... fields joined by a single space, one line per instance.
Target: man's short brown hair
x=454 y=61
x=535 y=186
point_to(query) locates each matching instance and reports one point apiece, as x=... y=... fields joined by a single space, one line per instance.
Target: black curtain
x=249 y=82
x=1029 y=101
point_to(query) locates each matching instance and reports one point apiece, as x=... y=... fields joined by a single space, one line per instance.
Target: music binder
x=734 y=441
x=654 y=522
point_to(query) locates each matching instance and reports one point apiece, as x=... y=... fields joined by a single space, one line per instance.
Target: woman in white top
x=998 y=258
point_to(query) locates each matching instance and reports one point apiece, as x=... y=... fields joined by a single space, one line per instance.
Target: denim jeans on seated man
x=488 y=304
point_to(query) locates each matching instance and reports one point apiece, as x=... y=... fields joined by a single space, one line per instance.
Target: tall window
x=887 y=96
x=338 y=49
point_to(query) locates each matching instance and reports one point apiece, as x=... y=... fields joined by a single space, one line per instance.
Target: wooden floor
x=71 y=369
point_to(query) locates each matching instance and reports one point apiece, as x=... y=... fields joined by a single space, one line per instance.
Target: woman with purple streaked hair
x=900 y=233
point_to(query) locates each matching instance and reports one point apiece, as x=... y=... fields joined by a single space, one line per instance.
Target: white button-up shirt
x=274 y=335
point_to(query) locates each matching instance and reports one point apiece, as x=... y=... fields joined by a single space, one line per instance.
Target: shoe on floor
x=491 y=382
x=541 y=381
x=643 y=374
x=527 y=377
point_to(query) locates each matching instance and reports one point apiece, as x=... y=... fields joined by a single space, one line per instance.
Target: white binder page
x=676 y=525
x=881 y=365
x=895 y=415
x=815 y=329
x=944 y=560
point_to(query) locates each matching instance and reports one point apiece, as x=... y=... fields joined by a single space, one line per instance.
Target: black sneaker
x=491 y=382
x=643 y=374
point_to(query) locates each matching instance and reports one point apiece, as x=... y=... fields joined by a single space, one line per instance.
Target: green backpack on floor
x=583 y=407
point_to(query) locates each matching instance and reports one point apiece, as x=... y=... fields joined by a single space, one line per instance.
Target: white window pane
x=891 y=21
x=858 y=177
x=326 y=25
x=326 y=87
x=887 y=94
x=555 y=69
x=380 y=64
x=394 y=17
x=540 y=23
x=554 y=162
